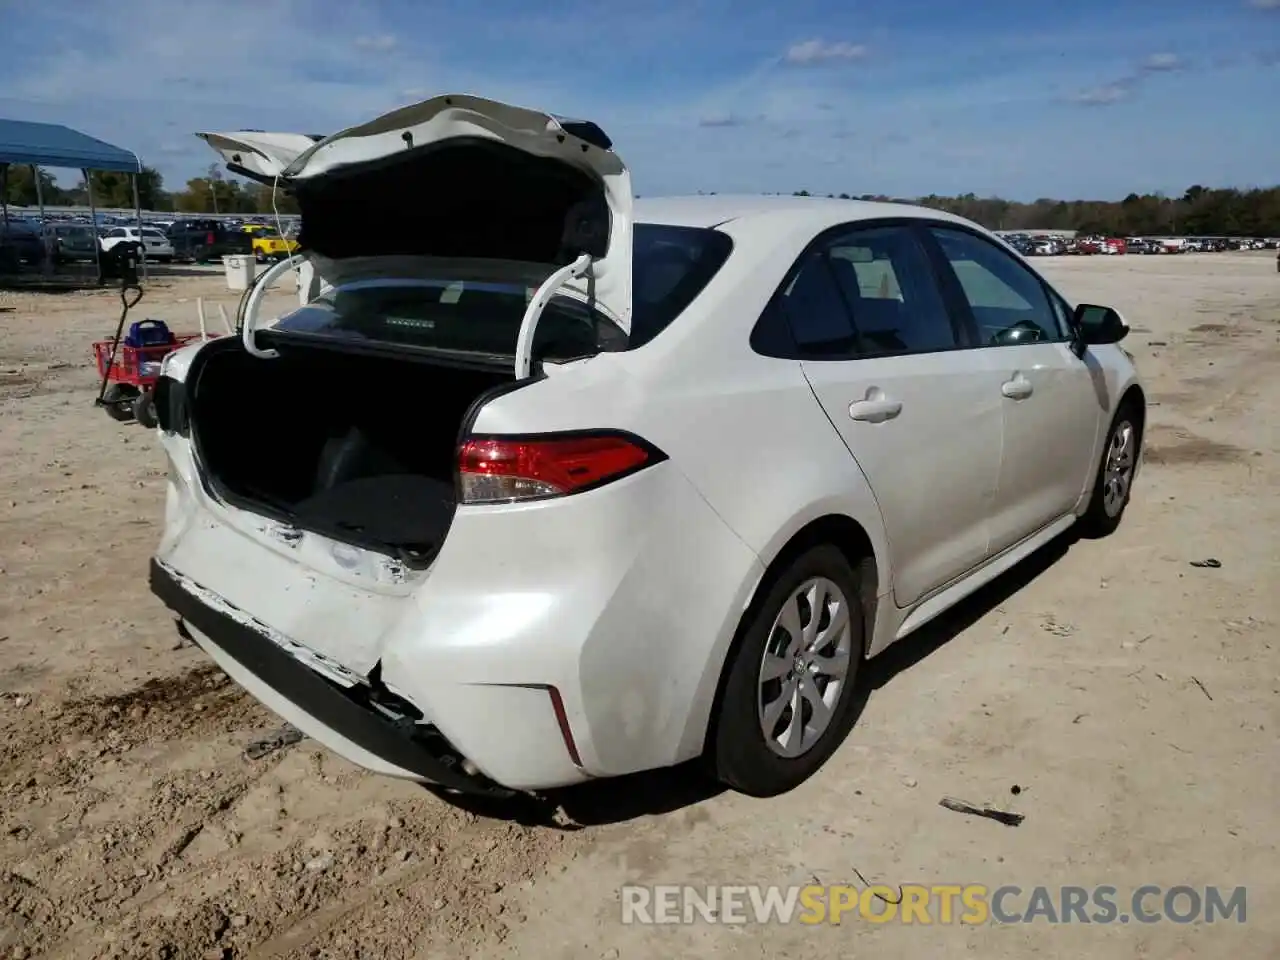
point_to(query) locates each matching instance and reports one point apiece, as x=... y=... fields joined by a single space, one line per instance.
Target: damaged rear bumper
x=324 y=710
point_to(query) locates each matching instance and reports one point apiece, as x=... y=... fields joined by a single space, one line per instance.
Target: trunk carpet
x=397 y=509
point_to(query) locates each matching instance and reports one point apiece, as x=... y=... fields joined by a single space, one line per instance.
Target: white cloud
x=381 y=43
x=1125 y=87
x=722 y=120
x=1102 y=96
x=1163 y=62
x=822 y=51
x=1265 y=4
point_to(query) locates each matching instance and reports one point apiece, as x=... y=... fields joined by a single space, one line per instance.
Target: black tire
x=118 y=401
x=1102 y=516
x=738 y=752
x=259 y=256
x=144 y=409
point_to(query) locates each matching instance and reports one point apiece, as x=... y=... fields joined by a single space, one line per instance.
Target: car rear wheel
x=788 y=691
x=1114 y=482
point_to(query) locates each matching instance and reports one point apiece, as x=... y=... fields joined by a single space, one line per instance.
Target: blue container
x=148 y=333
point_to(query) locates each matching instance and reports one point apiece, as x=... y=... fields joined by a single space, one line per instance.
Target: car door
x=1052 y=413
x=918 y=410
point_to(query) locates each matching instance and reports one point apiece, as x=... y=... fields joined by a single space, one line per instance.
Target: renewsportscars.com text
x=966 y=904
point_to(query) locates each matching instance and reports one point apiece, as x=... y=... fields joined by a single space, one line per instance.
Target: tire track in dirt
x=132 y=825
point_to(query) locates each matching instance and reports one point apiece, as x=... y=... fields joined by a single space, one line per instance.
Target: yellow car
x=268 y=244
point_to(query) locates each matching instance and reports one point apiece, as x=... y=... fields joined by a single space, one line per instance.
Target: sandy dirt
x=1134 y=700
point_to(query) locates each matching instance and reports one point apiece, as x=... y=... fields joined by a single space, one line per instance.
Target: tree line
x=1200 y=211
x=212 y=193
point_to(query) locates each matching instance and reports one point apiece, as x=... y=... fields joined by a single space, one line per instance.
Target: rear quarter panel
x=745 y=430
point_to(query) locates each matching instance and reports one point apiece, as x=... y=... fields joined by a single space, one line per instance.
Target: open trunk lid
x=257 y=154
x=459 y=179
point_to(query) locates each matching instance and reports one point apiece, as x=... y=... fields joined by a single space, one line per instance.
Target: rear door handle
x=874 y=411
x=1019 y=388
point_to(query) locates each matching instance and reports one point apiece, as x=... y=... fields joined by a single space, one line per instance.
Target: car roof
x=816 y=212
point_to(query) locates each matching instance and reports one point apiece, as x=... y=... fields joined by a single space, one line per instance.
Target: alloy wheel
x=804 y=668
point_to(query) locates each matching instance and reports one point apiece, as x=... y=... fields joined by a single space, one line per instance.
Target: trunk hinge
x=254 y=304
x=538 y=303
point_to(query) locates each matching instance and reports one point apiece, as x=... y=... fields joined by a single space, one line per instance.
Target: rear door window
x=888 y=282
x=867 y=292
x=815 y=312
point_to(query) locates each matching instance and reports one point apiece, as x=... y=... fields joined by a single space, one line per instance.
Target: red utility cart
x=130 y=369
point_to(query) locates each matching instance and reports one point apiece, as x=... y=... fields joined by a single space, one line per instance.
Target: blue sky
x=1017 y=98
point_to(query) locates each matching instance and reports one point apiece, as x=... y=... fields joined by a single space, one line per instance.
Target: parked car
x=73 y=242
x=20 y=241
x=684 y=463
x=204 y=239
x=268 y=244
x=153 y=244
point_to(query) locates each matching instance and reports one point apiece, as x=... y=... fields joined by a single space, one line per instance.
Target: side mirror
x=1099 y=325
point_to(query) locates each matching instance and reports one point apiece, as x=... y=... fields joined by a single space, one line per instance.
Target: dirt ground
x=1132 y=697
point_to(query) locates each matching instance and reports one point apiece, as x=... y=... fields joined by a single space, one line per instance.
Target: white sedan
x=153 y=243
x=559 y=485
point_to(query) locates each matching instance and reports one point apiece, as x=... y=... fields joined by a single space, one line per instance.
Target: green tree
x=115 y=190
x=20 y=186
x=284 y=202
x=1201 y=211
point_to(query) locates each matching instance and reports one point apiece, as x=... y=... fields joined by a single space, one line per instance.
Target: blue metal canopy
x=50 y=145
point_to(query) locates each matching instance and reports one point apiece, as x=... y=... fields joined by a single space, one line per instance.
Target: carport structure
x=51 y=145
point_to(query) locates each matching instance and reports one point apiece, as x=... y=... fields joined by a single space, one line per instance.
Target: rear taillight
x=209 y=240
x=506 y=469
